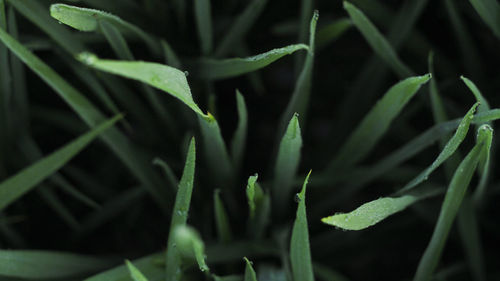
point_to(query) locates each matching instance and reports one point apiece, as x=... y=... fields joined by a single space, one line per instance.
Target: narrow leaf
x=146 y=265
x=240 y=135
x=489 y=11
x=221 y=219
x=300 y=253
x=202 y=12
x=134 y=272
x=16 y=186
x=180 y=214
x=451 y=204
x=332 y=32
x=212 y=69
x=377 y=41
x=249 y=272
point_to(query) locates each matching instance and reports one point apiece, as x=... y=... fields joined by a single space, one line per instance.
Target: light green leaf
x=254 y=193
x=146 y=265
x=16 y=186
x=287 y=164
x=249 y=272
x=212 y=69
x=163 y=77
x=240 y=27
x=240 y=135
x=180 y=214
x=375 y=211
x=447 y=151
x=221 y=219
x=37 y=265
x=484 y=105
x=300 y=253
x=189 y=245
x=376 y=123
x=377 y=41
x=451 y=204
x=134 y=272
x=202 y=12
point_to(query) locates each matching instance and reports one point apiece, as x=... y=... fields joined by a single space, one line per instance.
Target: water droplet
x=186 y=73
x=297 y=198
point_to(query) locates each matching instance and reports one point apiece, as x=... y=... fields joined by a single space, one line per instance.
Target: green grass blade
x=180 y=214
x=451 y=204
x=163 y=77
x=331 y=32
x=240 y=27
x=51 y=199
x=90 y=114
x=215 y=150
x=203 y=17
x=300 y=97
x=189 y=245
x=377 y=210
x=36 y=13
x=134 y=272
x=377 y=41
x=5 y=94
x=116 y=40
x=146 y=265
x=171 y=57
x=249 y=272
x=169 y=174
x=484 y=171
x=484 y=105
x=240 y=135
x=447 y=151
x=213 y=69
x=287 y=163
x=221 y=219
x=259 y=207
x=489 y=11
x=376 y=122
x=84 y=19
x=254 y=194
x=300 y=253
x=17 y=185
x=37 y=265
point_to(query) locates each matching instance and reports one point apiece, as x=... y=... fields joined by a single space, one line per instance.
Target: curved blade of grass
x=377 y=210
x=36 y=13
x=17 y=185
x=484 y=105
x=180 y=214
x=287 y=163
x=447 y=151
x=249 y=272
x=377 y=41
x=163 y=77
x=49 y=196
x=221 y=219
x=116 y=40
x=451 y=204
x=37 y=265
x=203 y=17
x=254 y=194
x=302 y=91
x=216 y=153
x=212 y=69
x=300 y=253
x=169 y=174
x=134 y=272
x=91 y=115
x=332 y=32
x=259 y=206
x=306 y=9
x=189 y=244
x=240 y=27
x=240 y=135
x=376 y=122
x=489 y=11
x=146 y=265
x=84 y=19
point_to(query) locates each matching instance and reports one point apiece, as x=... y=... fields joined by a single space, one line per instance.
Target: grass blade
x=213 y=69
x=377 y=41
x=287 y=164
x=17 y=185
x=38 y=265
x=249 y=272
x=451 y=204
x=377 y=210
x=300 y=97
x=180 y=214
x=259 y=204
x=376 y=122
x=240 y=27
x=254 y=194
x=202 y=12
x=169 y=174
x=134 y=272
x=240 y=135
x=189 y=245
x=146 y=265
x=5 y=94
x=163 y=77
x=447 y=151
x=300 y=253
x=90 y=114
x=488 y=10
x=221 y=219
x=332 y=32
